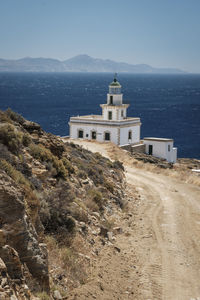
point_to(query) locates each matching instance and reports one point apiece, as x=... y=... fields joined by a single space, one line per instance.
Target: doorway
x=150 y=149
x=94 y=135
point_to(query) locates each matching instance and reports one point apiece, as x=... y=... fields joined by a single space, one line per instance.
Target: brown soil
x=158 y=254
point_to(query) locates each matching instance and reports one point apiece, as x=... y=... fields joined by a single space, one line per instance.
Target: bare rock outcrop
x=18 y=238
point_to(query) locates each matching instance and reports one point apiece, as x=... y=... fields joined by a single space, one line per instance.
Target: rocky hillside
x=55 y=199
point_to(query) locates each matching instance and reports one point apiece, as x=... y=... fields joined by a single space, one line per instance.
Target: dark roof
x=115 y=82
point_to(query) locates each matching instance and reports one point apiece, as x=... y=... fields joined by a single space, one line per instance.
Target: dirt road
x=159 y=256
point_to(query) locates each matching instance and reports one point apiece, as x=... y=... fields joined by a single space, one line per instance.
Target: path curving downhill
x=172 y=211
x=160 y=247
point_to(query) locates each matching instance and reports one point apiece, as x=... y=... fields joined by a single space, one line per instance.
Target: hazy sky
x=162 y=33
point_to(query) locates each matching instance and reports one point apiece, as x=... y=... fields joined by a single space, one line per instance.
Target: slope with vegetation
x=55 y=200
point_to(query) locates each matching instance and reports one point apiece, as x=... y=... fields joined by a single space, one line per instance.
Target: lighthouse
x=112 y=125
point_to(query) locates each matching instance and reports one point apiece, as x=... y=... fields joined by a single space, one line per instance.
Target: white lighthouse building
x=113 y=125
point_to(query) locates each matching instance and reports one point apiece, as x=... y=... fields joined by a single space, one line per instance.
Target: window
x=122 y=113
x=107 y=136
x=114 y=90
x=169 y=148
x=94 y=135
x=110 y=115
x=80 y=134
x=111 y=100
x=130 y=135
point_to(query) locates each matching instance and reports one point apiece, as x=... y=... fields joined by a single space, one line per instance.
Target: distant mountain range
x=80 y=63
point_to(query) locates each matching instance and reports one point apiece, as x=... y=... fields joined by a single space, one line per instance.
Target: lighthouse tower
x=112 y=126
x=114 y=109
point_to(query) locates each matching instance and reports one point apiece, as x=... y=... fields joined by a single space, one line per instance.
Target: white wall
x=100 y=130
x=116 y=112
x=119 y=135
x=117 y=98
x=174 y=154
x=124 y=135
x=124 y=113
x=160 y=149
x=106 y=109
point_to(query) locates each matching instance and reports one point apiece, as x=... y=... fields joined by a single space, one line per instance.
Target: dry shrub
x=90 y=167
x=44 y=210
x=81 y=174
x=68 y=257
x=51 y=243
x=14 y=116
x=60 y=223
x=96 y=174
x=13 y=173
x=10 y=137
x=92 y=205
x=26 y=139
x=109 y=185
x=97 y=198
x=80 y=212
x=44 y=155
x=31 y=203
x=80 y=203
x=109 y=163
x=68 y=165
x=118 y=165
x=5 y=154
x=4 y=118
x=98 y=156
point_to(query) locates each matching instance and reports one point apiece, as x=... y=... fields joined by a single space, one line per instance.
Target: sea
x=168 y=105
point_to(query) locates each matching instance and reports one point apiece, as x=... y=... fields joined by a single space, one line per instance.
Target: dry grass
x=44 y=155
x=178 y=172
x=11 y=137
x=95 y=200
x=13 y=173
x=14 y=116
x=67 y=262
x=109 y=185
x=43 y=296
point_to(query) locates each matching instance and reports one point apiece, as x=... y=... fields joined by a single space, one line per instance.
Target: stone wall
x=140 y=148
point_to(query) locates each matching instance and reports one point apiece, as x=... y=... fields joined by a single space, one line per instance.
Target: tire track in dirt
x=174 y=240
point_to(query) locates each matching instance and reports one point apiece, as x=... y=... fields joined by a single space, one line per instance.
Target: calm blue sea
x=168 y=105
